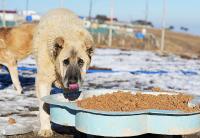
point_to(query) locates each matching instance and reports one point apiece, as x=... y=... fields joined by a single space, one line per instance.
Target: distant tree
x=142 y=22
x=115 y=19
x=184 y=28
x=101 y=18
x=171 y=27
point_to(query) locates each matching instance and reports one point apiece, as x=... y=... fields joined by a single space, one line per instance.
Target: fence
x=123 y=39
x=8 y=23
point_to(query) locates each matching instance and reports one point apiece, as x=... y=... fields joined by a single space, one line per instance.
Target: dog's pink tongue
x=73 y=87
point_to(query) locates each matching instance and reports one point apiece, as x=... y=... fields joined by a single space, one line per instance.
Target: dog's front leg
x=43 y=87
x=15 y=78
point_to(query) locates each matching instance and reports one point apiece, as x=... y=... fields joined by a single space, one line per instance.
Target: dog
x=15 y=45
x=63 y=49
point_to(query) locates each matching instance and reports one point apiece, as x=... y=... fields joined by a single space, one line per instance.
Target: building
x=29 y=15
x=13 y=17
x=8 y=15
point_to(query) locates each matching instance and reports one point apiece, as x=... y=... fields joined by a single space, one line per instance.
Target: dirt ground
x=70 y=132
x=180 y=43
x=57 y=135
x=185 y=45
x=33 y=135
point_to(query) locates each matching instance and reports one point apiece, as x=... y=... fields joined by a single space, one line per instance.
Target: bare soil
x=182 y=44
x=57 y=135
x=33 y=135
x=126 y=102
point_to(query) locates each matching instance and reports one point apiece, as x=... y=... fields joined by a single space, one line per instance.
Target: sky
x=179 y=12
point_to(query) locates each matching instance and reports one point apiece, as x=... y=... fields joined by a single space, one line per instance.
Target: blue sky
x=179 y=12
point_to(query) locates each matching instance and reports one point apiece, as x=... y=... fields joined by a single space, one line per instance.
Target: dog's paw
x=20 y=92
x=45 y=133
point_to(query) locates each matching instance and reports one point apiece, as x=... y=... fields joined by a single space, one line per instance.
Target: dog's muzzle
x=72 y=78
x=71 y=83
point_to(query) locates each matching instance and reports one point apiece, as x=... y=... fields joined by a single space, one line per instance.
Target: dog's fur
x=63 y=50
x=15 y=45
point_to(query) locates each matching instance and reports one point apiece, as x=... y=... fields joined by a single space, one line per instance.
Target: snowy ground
x=148 y=70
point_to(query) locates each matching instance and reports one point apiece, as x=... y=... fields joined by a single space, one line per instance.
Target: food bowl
x=120 y=124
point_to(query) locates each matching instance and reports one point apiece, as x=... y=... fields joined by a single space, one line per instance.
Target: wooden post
x=163 y=26
x=99 y=38
x=123 y=42
x=4 y=13
x=15 y=19
x=145 y=26
x=111 y=23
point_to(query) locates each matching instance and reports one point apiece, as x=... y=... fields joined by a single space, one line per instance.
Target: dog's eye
x=80 y=62
x=66 y=62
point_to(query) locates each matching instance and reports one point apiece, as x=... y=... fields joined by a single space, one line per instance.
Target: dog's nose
x=73 y=79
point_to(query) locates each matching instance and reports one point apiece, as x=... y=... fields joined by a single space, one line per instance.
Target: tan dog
x=15 y=45
x=63 y=51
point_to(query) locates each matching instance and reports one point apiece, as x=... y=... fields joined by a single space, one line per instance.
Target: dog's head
x=72 y=59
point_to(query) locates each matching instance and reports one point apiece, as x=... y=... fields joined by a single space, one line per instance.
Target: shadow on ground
x=5 y=81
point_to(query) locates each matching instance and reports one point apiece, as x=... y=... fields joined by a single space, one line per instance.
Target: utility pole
x=90 y=10
x=4 y=13
x=163 y=26
x=144 y=29
x=146 y=10
x=111 y=22
x=27 y=7
x=61 y=3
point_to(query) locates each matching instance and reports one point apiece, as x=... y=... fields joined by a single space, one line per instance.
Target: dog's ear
x=89 y=46
x=2 y=43
x=59 y=41
x=58 y=45
x=90 y=51
x=88 y=42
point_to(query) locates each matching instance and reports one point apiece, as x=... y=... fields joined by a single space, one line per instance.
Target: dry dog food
x=126 y=102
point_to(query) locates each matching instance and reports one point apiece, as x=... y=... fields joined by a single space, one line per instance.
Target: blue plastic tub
x=120 y=124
